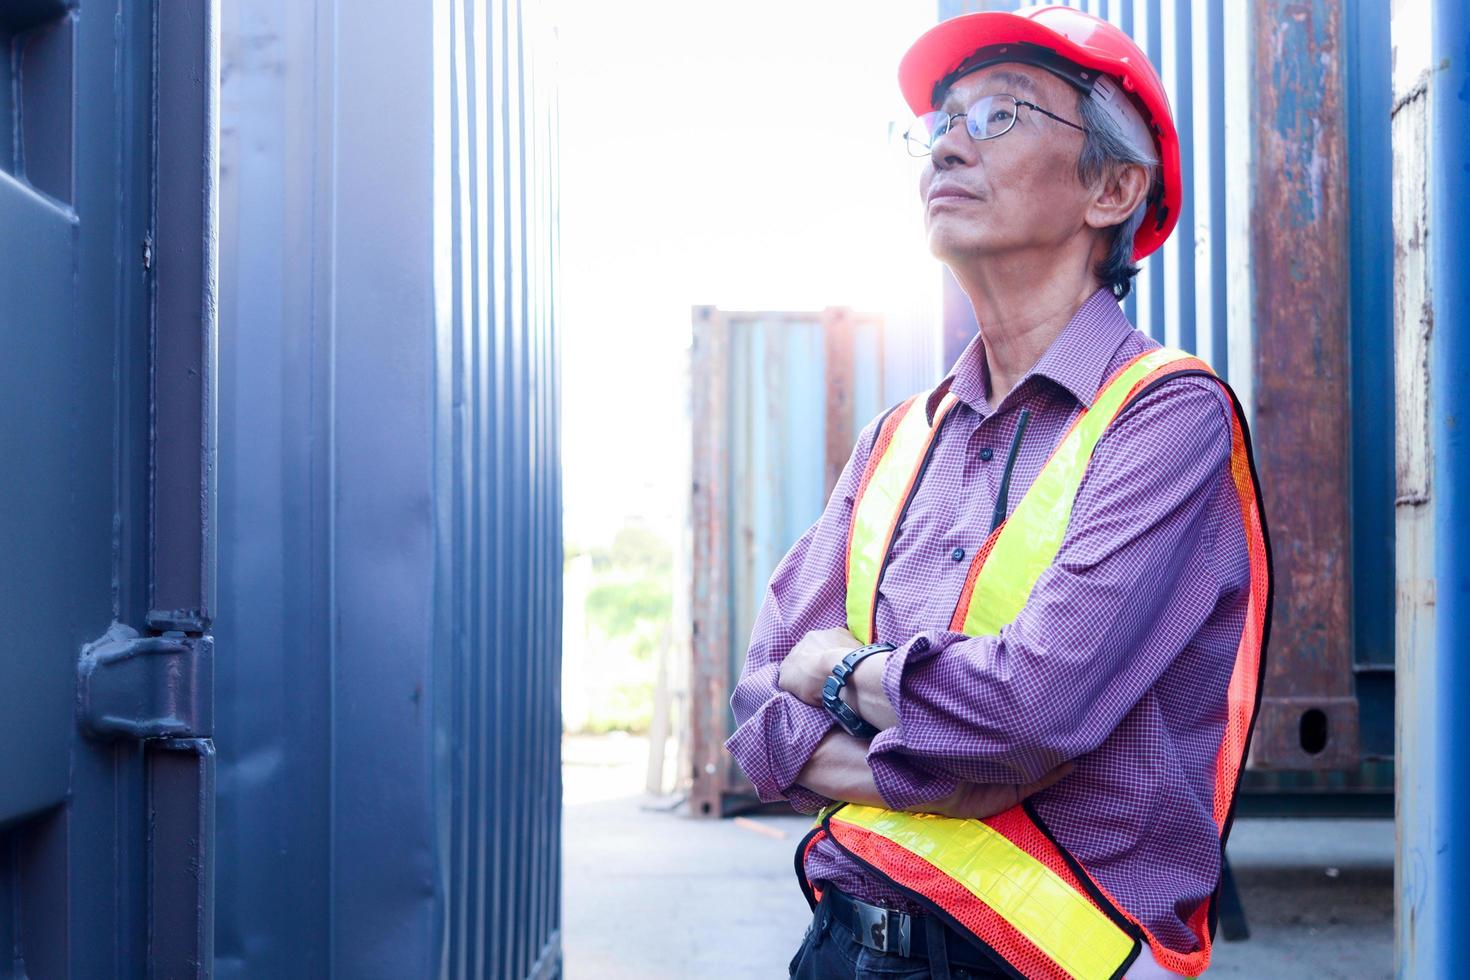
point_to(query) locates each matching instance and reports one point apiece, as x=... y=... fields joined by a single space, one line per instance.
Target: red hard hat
x=1087 y=41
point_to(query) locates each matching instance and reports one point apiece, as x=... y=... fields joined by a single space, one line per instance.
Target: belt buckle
x=883 y=929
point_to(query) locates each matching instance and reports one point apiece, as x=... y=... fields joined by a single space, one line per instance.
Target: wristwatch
x=849 y=719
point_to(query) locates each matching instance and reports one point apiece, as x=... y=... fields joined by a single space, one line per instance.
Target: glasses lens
x=991 y=116
x=925 y=130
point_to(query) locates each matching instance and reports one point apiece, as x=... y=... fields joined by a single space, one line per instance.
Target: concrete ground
x=652 y=894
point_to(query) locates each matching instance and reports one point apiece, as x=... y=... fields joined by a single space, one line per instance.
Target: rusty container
x=776 y=403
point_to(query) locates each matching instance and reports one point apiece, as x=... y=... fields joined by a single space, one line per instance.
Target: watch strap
x=848 y=718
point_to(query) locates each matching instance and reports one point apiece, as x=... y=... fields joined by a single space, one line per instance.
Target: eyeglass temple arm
x=1065 y=122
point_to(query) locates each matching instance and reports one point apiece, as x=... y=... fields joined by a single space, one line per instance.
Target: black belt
x=891 y=931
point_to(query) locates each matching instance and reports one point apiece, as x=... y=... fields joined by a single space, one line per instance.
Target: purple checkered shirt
x=1119 y=661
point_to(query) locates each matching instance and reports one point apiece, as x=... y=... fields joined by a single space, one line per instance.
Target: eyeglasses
x=987 y=118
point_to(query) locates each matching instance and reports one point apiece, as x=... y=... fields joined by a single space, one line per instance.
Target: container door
x=106 y=454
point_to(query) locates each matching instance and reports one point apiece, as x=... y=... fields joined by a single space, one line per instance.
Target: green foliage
x=639 y=609
x=629 y=612
x=627 y=707
x=635 y=549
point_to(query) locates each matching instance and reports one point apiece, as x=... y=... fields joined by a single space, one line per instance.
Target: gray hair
x=1106 y=148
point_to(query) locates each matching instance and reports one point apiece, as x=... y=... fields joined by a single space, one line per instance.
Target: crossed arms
x=978 y=721
x=838 y=768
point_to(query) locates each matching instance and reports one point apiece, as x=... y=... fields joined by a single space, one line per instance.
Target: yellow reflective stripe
x=1037 y=902
x=1031 y=537
x=879 y=506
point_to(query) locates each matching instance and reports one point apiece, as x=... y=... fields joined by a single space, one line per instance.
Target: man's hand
x=976 y=801
x=809 y=663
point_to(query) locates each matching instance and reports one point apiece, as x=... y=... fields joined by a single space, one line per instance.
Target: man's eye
x=1000 y=115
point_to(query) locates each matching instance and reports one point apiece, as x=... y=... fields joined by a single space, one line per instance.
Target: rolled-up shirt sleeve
x=1131 y=583
x=776 y=732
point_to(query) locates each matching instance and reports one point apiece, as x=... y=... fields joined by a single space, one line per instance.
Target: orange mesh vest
x=1005 y=880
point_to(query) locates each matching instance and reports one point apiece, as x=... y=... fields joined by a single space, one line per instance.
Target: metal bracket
x=1305 y=732
x=131 y=686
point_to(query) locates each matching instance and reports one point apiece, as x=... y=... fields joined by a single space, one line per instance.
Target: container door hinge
x=131 y=686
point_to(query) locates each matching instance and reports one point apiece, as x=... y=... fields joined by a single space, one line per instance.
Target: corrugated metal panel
x=777 y=401
x=500 y=564
x=390 y=510
x=1299 y=242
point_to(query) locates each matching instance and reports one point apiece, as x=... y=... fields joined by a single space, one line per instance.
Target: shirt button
x=958 y=554
x=985 y=454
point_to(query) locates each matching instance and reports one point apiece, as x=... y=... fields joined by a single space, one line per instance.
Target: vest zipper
x=1002 y=499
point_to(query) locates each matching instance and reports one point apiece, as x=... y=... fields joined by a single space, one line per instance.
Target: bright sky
x=741 y=155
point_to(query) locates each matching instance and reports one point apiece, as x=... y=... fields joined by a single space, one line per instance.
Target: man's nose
x=955 y=148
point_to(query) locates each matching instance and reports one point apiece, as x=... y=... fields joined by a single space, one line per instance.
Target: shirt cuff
x=902 y=782
x=918 y=649
x=777 y=741
x=803 y=800
x=920 y=753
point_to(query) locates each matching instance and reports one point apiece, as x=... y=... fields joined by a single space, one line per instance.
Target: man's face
x=1021 y=191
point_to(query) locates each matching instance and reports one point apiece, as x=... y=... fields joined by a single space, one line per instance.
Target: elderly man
x=1014 y=666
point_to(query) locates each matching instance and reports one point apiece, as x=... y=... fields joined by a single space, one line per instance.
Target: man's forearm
x=838 y=769
x=810 y=662
x=866 y=695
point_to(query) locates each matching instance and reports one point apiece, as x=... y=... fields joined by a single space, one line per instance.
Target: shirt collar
x=1077 y=359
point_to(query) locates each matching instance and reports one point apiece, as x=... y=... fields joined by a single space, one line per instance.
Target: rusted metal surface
x=709 y=610
x=1299 y=241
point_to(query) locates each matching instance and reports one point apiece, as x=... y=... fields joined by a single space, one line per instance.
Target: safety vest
x=1005 y=880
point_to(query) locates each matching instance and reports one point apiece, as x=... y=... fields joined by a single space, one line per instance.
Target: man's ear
x=1117 y=195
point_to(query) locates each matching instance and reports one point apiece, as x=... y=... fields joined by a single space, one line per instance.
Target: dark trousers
x=829 y=952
